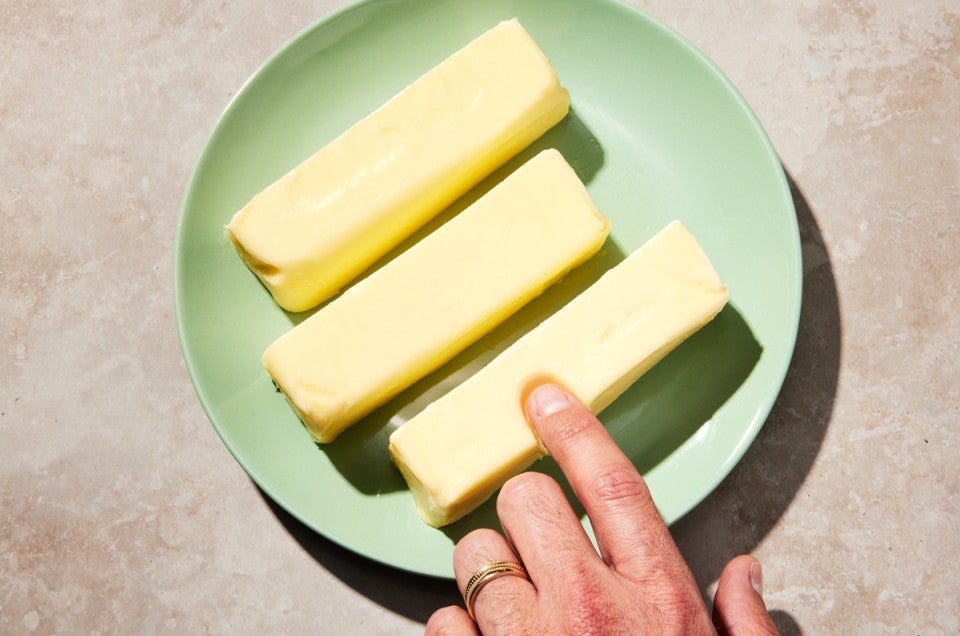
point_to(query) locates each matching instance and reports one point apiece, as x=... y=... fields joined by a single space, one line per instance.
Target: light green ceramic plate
x=656 y=132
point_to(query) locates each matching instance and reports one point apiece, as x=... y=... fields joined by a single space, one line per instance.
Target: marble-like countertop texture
x=121 y=510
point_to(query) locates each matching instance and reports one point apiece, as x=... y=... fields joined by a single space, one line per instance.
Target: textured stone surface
x=120 y=509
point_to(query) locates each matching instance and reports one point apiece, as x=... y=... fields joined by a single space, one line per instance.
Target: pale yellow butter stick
x=432 y=301
x=318 y=227
x=463 y=447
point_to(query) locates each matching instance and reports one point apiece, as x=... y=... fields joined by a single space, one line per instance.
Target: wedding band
x=486 y=574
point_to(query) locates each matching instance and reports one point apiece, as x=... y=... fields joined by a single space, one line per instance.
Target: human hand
x=638 y=583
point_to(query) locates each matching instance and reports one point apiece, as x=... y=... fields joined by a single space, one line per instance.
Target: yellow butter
x=315 y=229
x=432 y=301
x=463 y=447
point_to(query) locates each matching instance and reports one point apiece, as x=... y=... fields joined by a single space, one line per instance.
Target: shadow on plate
x=656 y=415
x=756 y=494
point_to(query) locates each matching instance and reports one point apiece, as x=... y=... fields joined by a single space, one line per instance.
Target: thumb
x=738 y=607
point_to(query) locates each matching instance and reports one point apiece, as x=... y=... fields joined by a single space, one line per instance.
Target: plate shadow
x=757 y=492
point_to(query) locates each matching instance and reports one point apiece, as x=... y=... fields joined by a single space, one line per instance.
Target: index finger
x=630 y=533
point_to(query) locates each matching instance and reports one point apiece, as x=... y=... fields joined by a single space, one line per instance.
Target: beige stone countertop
x=121 y=511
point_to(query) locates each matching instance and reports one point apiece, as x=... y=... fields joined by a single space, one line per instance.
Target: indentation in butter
x=476 y=437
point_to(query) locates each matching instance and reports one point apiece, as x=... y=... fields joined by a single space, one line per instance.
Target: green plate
x=656 y=132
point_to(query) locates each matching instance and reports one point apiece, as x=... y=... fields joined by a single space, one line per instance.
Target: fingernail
x=547 y=399
x=756 y=577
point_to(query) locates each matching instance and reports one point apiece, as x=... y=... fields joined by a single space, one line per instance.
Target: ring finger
x=501 y=605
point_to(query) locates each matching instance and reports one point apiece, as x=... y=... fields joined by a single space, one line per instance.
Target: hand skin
x=637 y=584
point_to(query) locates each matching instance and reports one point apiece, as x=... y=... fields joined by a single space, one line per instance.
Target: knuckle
x=619 y=485
x=477 y=548
x=477 y=540
x=529 y=490
x=525 y=482
x=536 y=498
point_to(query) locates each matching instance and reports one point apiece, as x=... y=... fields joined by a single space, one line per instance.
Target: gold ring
x=486 y=574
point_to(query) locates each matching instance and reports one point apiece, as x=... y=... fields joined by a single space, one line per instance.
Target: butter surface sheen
x=318 y=227
x=418 y=311
x=459 y=450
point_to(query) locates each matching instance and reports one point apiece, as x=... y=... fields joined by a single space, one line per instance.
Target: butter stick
x=459 y=450
x=315 y=229
x=418 y=311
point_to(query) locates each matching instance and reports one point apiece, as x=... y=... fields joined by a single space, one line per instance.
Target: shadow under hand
x=660 y=411
x=404 y=593
x=752 y=499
